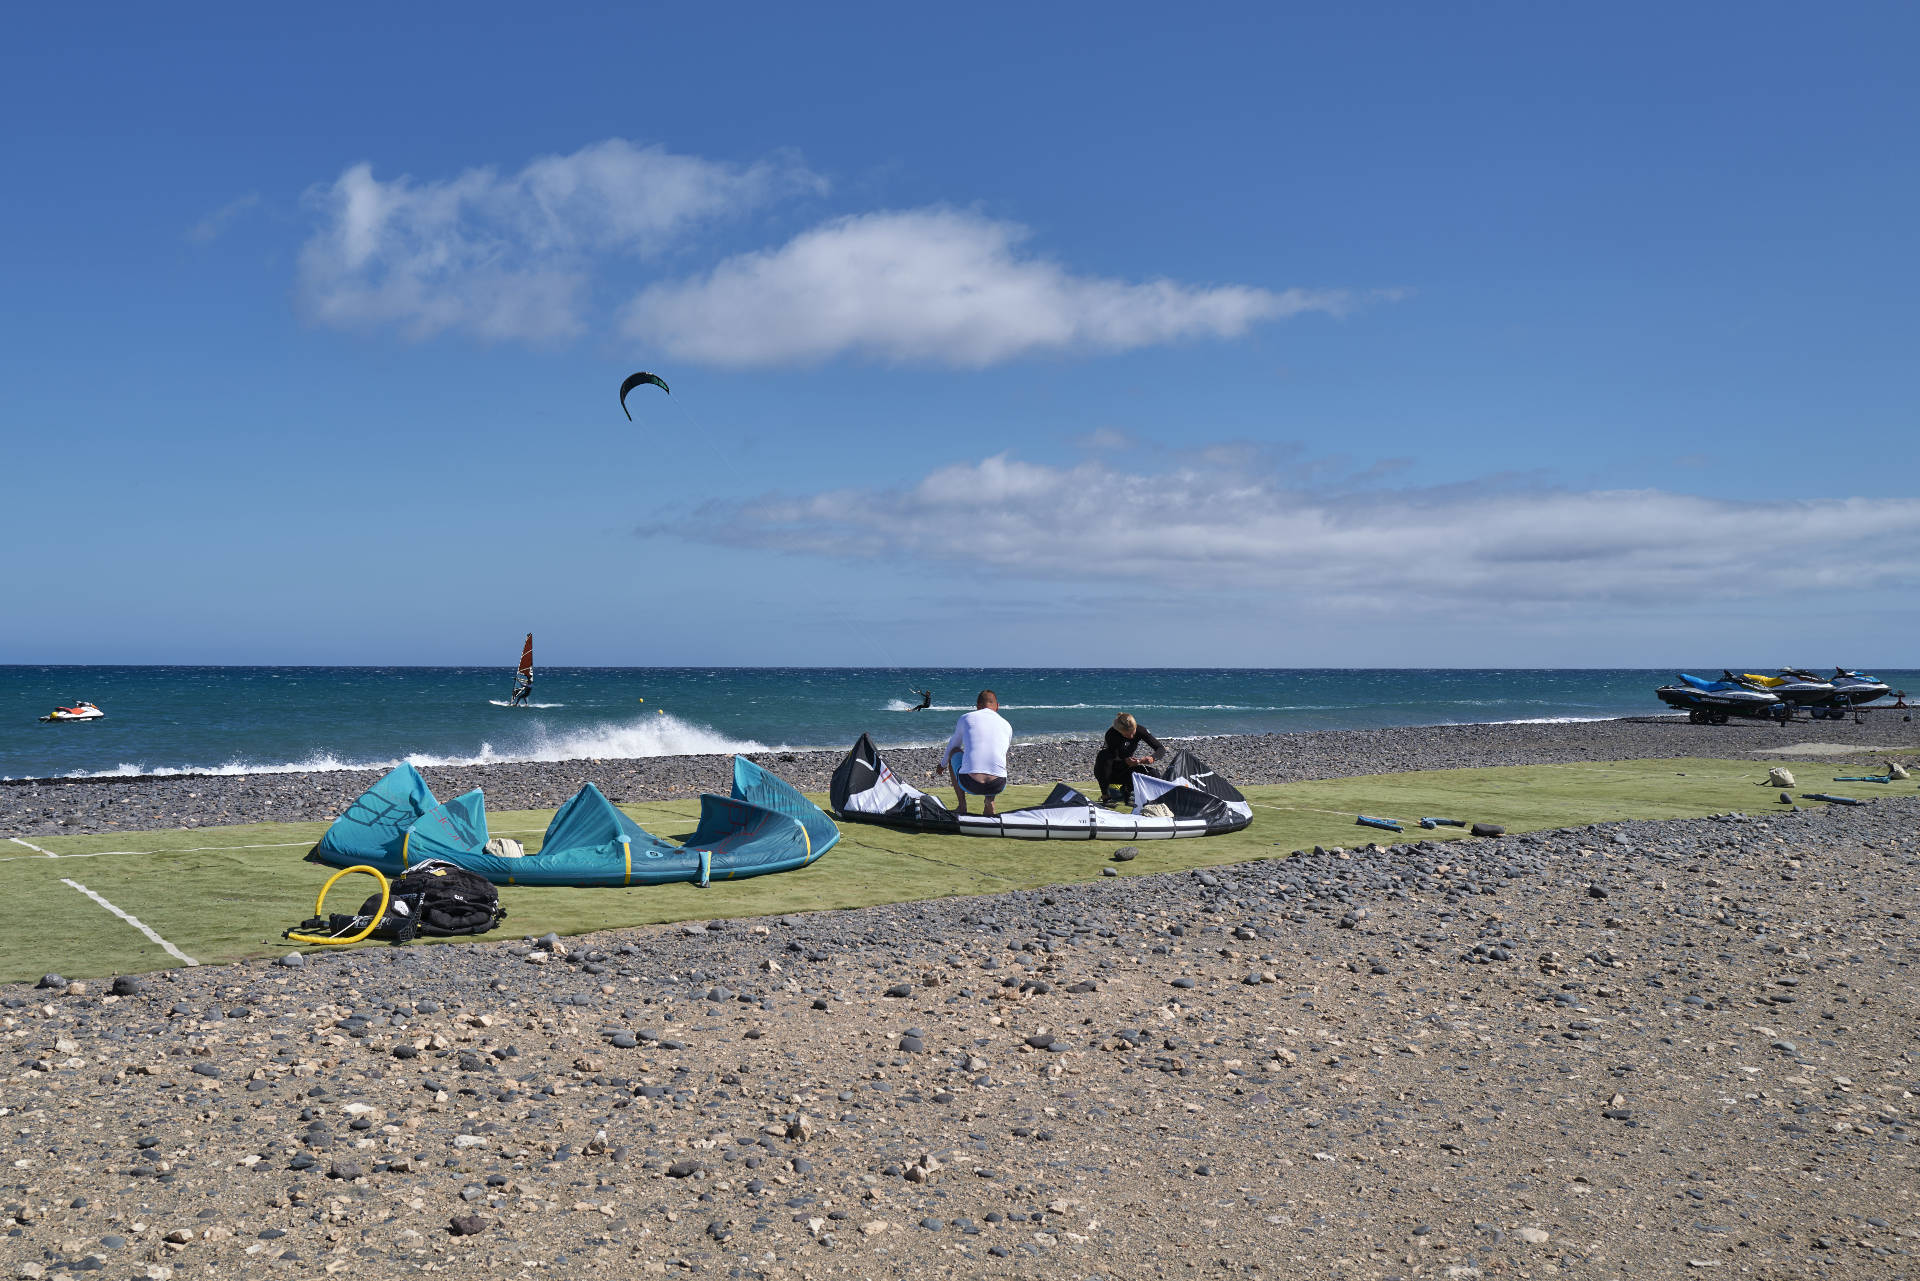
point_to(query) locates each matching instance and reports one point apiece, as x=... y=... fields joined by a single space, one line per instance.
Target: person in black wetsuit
x=1120 y=755
x=926 y=699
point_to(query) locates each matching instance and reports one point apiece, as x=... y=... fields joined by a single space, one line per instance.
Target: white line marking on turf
x=132 y=920
x=35 y=848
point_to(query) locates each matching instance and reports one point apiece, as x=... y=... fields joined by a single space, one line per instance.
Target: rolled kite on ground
x=1183 y=797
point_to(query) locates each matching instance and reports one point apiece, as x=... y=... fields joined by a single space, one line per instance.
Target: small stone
x=1183 y=983
x=1108 y=871
x=623 y=1041
x=126 y=985
x=467 y=1225
x=900 y=989
x=51 y=982
x=1126 y=854
x=1532 y=1236
x=912 y=1044
x=292 y=960
x=684 y=1169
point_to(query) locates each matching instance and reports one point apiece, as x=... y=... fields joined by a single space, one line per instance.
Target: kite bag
x=436 y=899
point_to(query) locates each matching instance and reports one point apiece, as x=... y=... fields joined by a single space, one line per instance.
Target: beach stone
x=126 y=985
x=292 y=960
x=51 y=982
x=1532 y=1236
x=1126 y=854
x=900 y=989
x=467 y=1225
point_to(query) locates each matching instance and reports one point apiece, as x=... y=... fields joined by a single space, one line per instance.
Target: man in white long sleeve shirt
x=977 y=753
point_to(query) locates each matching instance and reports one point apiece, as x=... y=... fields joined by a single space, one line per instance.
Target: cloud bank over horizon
x=1188 y=529
x=515 y=257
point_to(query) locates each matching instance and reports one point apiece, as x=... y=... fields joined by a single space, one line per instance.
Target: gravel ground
x=55 y=806
x=1639 y=1049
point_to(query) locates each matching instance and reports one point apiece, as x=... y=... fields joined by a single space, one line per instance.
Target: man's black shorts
x=966 y=783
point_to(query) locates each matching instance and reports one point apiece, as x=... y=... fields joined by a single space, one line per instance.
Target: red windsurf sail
x=523 y=679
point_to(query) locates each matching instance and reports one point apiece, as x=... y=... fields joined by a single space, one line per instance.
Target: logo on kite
x=635 y=380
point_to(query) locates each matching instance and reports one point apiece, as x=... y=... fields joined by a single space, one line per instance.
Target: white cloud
x=1176 y=529
x=215 y=224
x=510 y=257
x=938 y=286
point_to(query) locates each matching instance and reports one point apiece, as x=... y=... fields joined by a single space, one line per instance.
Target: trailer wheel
x=1718 y=718
x=1697 y=716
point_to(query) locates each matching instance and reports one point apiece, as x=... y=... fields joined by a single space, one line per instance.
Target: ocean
x=162 y=720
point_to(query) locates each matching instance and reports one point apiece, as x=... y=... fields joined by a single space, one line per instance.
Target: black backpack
x=437 y=899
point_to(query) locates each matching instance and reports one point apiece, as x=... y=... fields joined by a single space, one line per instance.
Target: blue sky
x=1396 y=335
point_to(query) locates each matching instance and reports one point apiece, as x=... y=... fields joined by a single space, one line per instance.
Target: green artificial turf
x=223 y=894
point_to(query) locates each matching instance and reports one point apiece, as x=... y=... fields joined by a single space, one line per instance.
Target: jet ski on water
x=1713 y=702
x=78 y=712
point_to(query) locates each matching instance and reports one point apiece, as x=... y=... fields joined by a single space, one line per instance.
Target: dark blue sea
x=252 y=719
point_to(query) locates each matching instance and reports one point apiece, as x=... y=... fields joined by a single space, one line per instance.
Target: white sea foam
x=657 y=735
x=901 y=705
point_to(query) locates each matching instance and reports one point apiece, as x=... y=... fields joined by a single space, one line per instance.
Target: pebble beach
x=71 y=805
x=1680 y=1048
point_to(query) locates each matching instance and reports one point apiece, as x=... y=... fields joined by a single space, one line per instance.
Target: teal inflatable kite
x=765 y=826
x=375 y=826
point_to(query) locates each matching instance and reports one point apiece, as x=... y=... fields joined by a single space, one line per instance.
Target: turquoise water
x=243 y=719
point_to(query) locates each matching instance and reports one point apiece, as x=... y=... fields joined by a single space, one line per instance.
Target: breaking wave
x=901 y=705
x=658 y=735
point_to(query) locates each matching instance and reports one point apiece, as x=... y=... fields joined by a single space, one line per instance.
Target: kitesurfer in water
x=976 y=753
x=1120 y=756
x=926 y=699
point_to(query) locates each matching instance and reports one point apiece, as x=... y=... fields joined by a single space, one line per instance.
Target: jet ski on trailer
x=1197 y=801
x=1713 y=702
x=1791 y=689
x=78 y=712
x=1850 y=689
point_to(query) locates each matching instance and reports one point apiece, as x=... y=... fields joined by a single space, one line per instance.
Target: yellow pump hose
x=320 y=909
